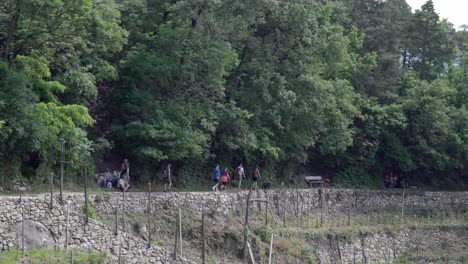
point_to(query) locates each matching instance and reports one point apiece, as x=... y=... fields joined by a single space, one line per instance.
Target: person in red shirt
x=224 y=179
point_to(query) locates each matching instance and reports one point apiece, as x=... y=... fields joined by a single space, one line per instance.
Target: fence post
x=66 y=229
x=120 y=254
x=203 y=237
x=176 y=240
x=149 y=215
x=22 y=226
x=123 y=211
x=301 y=209
x=246 y=224
x=354 y=255
x=180 y=232
x=403 y=203
x=62 y=169
x=116 y=221
x=51 y=190
x=284 y=205
x=321 y=206
x=266 y=208
x=271 y=248
x=86 y=191
x=250 y=252
x=297 y=202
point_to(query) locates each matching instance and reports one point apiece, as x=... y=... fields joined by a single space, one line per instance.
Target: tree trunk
x=12 y=28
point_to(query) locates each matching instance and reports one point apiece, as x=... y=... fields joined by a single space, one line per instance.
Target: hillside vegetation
x=353 y=90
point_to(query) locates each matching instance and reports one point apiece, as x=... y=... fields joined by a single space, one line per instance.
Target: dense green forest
x=351 y=89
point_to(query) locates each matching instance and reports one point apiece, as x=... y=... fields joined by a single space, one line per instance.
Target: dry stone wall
x=331 y=201
x=47 y=227
x=385 y=246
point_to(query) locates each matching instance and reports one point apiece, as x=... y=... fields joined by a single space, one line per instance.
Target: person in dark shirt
x=255 y=176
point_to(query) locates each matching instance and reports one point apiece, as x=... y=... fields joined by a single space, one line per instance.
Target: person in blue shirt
x=216 y=177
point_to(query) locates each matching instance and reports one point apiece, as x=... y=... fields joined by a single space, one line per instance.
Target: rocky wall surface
x=290 y=201
x=445 y=244
x=45 y=227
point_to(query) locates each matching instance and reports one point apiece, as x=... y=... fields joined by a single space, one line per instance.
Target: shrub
x=352 y=179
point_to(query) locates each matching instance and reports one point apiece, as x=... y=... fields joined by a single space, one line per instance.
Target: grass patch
x=42 y=255
x=295 y=248
x=92 y=213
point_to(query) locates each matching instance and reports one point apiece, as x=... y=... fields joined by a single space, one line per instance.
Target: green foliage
x=430 y=44
x=296 y=248
x=407 y=256
x=353 y=90
x=51 y=256
x=53 y=55
x=91 y=212
x=355 y=179
x=426 y=212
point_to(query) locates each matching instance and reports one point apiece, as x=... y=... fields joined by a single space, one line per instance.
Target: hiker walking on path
x=240 y=175
x=125 y=171
x=225 y=179
x=216 y=177
x=167 y=177
x=255 y=176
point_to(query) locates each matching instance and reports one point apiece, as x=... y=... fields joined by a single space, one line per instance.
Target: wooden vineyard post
x=62 y=169
x=321 y=206
x=246 y=224
x=203 y=237
x=123 y=211
x=297 y=204
x=271 y=248
x=266 y=208
x=284 y=205
x=175 y=242
x=66 y=228
x=251 y=253
x=272 y=214
x=149 y=215
x=180 y=232
x=116 y=221
x=120 y=254
x=51 y=205
x=86 y=192
x=403 y=203
x=22 y=226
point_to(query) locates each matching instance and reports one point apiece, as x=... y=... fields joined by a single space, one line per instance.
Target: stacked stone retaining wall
x=291 y=201
x=99 y=236
x=46 y=227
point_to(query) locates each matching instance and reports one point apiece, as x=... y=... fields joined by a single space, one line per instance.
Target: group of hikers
x=121 y=179
x=217 y=176
x=395 y=181
x=117 y=179
x=225 y=178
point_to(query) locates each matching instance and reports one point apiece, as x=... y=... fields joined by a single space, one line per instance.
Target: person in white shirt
x=240 y=174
